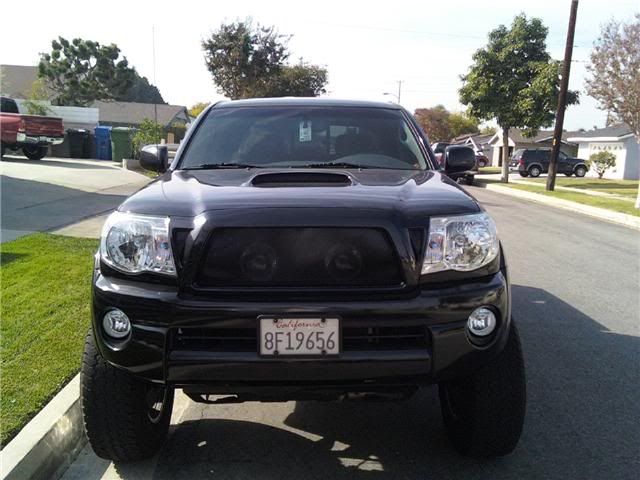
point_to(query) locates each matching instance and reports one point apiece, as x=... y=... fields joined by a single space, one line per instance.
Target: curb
x=595 y=212
x=48 y=444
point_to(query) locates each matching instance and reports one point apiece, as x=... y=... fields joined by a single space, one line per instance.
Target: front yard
x=45 y=292
x=625 y=188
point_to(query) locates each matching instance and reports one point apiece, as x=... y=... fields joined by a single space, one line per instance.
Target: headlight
x=463 y=243
x=137 y=243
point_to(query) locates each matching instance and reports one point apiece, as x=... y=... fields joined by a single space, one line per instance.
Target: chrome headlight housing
x=137 y=243
x=462 y=242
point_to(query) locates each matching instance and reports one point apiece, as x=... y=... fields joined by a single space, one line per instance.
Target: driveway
x=575 y=299
x=49 y=194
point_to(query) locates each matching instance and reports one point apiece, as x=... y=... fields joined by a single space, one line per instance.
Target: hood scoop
x=301 y=179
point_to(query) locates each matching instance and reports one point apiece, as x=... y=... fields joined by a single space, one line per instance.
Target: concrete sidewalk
x=52 y=193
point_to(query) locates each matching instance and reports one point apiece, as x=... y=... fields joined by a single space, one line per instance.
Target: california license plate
x=299 y=336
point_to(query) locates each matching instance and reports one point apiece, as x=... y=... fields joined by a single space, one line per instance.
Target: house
x=477 y=141
x=131 y=114
x=518 y=139
x=618 y=139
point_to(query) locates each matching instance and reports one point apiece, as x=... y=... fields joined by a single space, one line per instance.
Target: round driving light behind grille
x=482 y=322
x=343 y=262
x=259 y=262
x=116 y=324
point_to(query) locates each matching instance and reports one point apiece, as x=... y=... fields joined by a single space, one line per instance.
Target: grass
x=617 y=205
x=626 y=188
x=45 y=293
x=489 y=170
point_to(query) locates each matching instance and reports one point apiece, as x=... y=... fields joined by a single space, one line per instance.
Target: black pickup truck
x=301 y=249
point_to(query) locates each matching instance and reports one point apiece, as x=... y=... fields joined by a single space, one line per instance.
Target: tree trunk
x=505 y=154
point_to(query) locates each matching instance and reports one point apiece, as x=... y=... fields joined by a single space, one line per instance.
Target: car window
x=542 y=155
x=518 y=153
x=8 y=106
x=304 y=137
x=562 y=156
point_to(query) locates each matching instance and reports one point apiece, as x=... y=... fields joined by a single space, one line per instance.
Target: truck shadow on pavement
x=33 y=206
x=583 y=393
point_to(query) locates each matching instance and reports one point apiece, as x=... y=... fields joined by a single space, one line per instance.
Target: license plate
x=299 y=336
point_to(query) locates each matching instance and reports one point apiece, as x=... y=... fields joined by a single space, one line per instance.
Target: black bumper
x=158 y=312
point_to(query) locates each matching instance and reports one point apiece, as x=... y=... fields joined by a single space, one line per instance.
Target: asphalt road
x=576 y=294
x=47 y=194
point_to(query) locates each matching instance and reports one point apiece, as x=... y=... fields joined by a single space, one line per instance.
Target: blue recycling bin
x=103 y=142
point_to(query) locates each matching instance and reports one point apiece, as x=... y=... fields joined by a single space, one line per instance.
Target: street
x=575 y=300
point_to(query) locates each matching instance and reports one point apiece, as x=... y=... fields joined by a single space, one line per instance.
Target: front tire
x=34 y=152
x=126 y=419
x=581 y=172
x=484 y=413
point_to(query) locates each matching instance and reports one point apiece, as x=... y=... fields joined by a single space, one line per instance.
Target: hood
x=409 y=193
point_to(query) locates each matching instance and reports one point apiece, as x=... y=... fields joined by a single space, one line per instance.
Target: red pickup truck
x=31 y=133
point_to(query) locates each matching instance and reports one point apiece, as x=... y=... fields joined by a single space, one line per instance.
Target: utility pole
x=562 y=98
x=153 y=47
x=399 y=90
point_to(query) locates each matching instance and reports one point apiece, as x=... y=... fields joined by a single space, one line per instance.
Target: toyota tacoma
x=301 y=249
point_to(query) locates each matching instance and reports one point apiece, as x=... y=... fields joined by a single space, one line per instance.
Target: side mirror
x=154 y=158
x=459 y=158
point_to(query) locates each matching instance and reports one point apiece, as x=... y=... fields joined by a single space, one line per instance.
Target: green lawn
x=626 y=188
x=617 y=205
x=45 y=298
x=488 y=170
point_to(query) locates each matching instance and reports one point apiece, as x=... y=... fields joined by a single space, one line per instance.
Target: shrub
x=601 y=161
x=148 y=133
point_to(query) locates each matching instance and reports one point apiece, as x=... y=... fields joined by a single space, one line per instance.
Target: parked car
x=301 y=249
x=533 y=162
x=31 y=133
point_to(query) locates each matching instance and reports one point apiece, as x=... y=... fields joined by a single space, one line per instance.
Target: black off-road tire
x=34 y=152
x=469 y=180
x=484 y=413
x=116 y=414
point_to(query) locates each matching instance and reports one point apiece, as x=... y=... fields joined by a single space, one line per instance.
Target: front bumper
x=157 y=312
x=39 y=140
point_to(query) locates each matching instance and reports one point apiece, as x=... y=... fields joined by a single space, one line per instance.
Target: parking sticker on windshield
x=305 y=131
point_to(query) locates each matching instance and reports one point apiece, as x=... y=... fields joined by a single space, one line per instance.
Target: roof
x=304 y=102
x=517 y=136
x=613 y=132
x=134 y=113
x=17 y=80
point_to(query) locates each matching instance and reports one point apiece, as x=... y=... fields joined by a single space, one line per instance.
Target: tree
x=141 y=91
x=82 y=71
x=615 y=74
x=441 y=125
x=514 y=81
x=601 y=161
x=435 y=122
x=148 y=133
x=197 y=109
x=250 y=62
x=36 y=104
x=461 y=123
x=488 y=130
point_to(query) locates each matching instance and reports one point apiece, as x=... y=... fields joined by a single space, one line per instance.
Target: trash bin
x=103 y=142
x=77 y=139
x=121 y=145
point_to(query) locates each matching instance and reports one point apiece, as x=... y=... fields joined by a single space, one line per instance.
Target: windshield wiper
x=336 y=164
x=213 y=166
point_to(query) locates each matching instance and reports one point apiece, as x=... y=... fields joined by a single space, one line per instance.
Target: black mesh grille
x=244 y=339
x=299 y=257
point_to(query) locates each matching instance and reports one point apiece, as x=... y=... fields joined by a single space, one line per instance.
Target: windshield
x=303 y=137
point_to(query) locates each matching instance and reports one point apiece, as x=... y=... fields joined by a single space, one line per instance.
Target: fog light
x=116 y=324
x=482 y=322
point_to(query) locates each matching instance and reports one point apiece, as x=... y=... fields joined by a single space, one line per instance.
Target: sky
x=367 y=46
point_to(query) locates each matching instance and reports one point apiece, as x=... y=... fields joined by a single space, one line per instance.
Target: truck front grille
x=298 y=257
